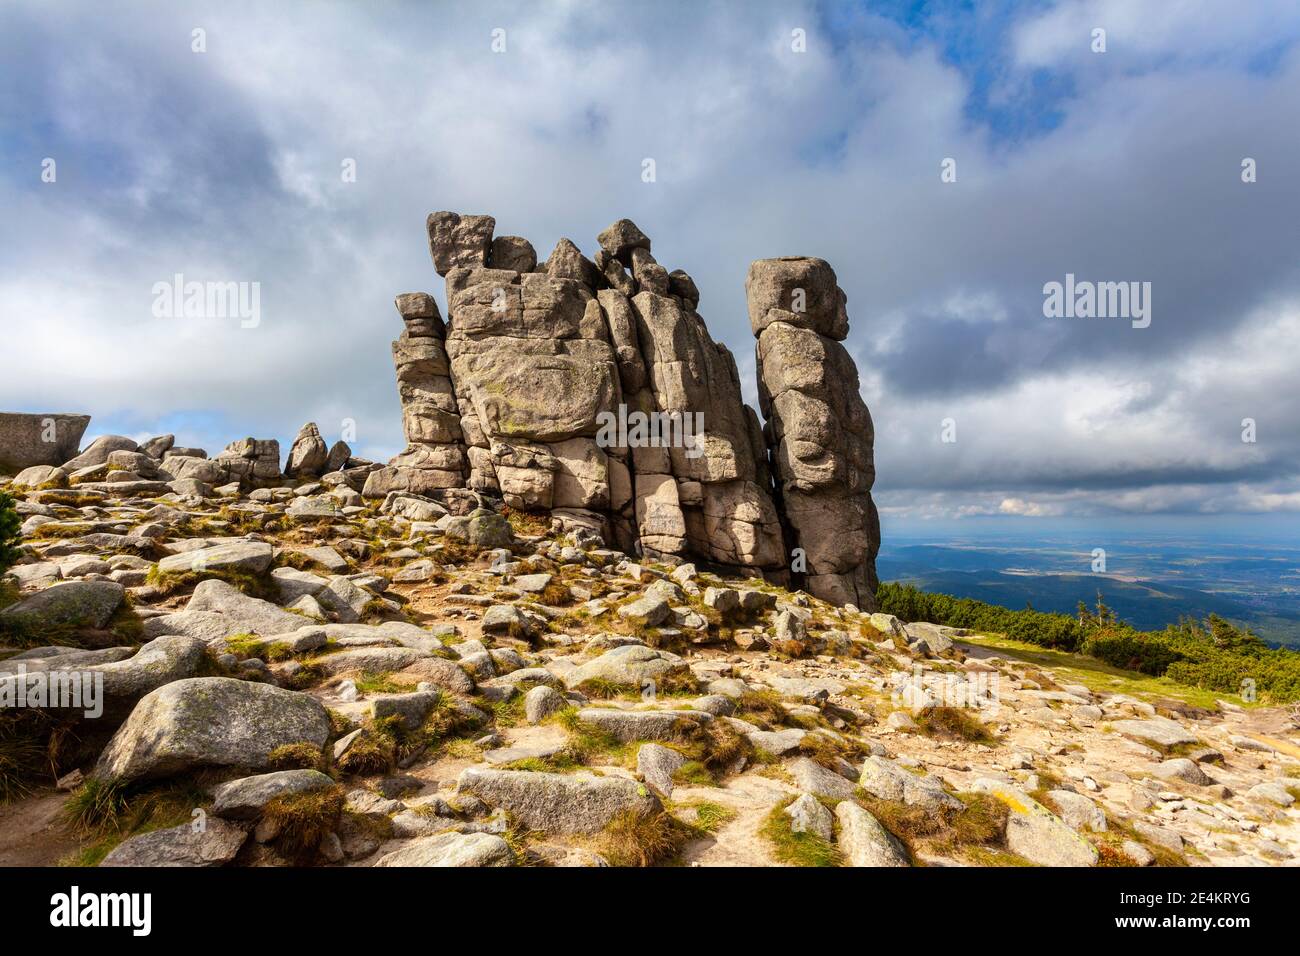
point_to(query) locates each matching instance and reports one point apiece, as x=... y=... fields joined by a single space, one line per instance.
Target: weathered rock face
x=434 y=458
x=592 y=390
x=818 y=428
x=252 y=461
x=27 y=440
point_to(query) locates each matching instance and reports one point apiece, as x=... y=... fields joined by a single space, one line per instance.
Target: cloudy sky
x=226 y=165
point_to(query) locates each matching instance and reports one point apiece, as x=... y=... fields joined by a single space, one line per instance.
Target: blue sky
x=1123 y=166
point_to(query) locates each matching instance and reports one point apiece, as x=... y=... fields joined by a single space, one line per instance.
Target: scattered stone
x=656 y=765
x=558 y=803
x=215 y=845
x=864 y=842
x=243 y=799
x=809 y=815
x=1036 y=833
x=451 y=849
x=541 y=702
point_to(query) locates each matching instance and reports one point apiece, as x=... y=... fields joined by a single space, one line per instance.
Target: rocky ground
x=299 y=675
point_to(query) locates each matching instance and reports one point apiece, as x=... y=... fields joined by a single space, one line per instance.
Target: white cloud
x=226 y=165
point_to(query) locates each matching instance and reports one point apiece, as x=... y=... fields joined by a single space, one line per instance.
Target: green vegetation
x=299 y=756
x=10 y=532
x=174 y=582
x=796 y=849
x=301 y=820
x=980 y=823
x=107 y=812
x=643 y=839
x=954 y=723
x=710 y=817
x=1212 y=655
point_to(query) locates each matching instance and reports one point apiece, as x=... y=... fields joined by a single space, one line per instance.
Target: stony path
x=396 y=662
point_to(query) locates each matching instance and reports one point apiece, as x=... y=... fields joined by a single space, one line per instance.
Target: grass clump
x=301 y=820
x=954 y=723
x=527 y=523
x=981 y=821
x=307 y=674
x=586 y=742
x=372 y=752
x=642 y=839
x=21 y=758
x=174 y=582
x=10 y=532
x=762 y=708
x=711 y=817
x=299 y=756
x=379 y=682
x=796 y=849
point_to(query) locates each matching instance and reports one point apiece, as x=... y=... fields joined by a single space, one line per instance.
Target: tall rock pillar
x=818 y=428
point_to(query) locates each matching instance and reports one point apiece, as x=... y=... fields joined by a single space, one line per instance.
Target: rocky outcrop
x=818 y=428
x=587 y=388
x=27 y=440
x=434 y=459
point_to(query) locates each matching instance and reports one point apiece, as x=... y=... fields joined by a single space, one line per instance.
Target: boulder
x=210 y=721
x=883 y=778
x=1036 y=833
x=541 y=702
x=558 y=803
x=811 y=777
x=628 y=725
x=458 y=241
x=216 y=844
x=42 y=476
x=809 y=815
x=75 y=603
x=37 y=439
x=1181 y=768
x=244 y=798
x=1078 y=811
x=656 y=764
x=98 y=451
x=1158 y=730
x=244 y=614
x=451 y=849
x=864 y=842
x=308 y=454
x=632 y=665
x=251 y=557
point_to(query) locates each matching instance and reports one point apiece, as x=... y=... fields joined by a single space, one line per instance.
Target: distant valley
x=1149 y=583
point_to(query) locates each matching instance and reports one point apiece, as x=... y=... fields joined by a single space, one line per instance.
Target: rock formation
x=818 y=428
x=28 y=440
x=589 y=389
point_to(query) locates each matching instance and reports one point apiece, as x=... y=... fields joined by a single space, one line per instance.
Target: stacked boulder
x=434 y=459
x=252 y=461
x=589 y=389
x=818 y=428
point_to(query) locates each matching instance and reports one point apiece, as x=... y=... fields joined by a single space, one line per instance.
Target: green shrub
x=1213 y=655
x=10 y=532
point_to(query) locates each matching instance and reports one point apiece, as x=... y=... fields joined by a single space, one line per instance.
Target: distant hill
x=1146 y=605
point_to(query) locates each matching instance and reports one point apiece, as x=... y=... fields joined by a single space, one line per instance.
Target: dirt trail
x=738 y=842
x=32 y=831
